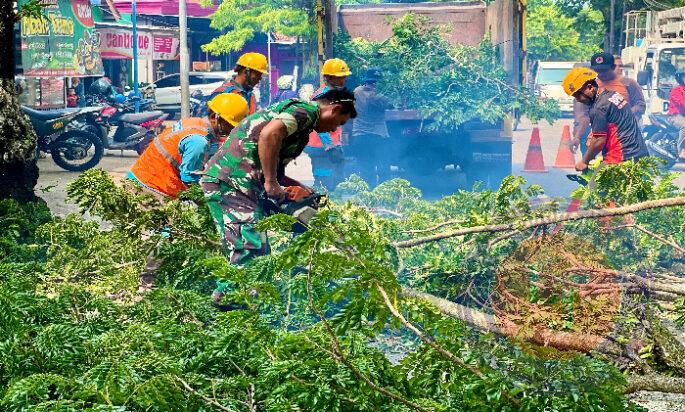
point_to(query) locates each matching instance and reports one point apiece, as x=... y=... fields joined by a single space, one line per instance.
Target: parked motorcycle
x=198 y=104
x=71 y=148
x=121 y=129
x=661 y=139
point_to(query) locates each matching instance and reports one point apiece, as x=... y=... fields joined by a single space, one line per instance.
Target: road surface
x=54 y=180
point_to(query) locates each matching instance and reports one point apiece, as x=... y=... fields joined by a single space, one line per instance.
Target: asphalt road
x=554 y=181
x=53 y=180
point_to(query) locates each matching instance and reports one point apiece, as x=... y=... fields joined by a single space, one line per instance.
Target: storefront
x=56 y=49
x=158 y=51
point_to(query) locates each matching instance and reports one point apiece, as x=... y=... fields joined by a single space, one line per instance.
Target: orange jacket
x=157 y=167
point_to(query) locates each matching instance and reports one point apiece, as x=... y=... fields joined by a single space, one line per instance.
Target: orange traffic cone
x=565 y=157
x=534 y=161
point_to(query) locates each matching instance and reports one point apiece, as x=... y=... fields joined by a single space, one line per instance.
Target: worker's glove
x=335 y=154
x=297 y=193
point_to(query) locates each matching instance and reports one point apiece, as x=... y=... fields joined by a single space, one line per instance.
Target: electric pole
x=612 y=21
x=134 y=23
x=185 y=62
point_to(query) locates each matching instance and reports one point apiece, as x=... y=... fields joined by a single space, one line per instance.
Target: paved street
x=54 y=179
x=554 y=181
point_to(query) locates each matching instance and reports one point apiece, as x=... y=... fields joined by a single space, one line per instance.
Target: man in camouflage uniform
x=251 y=165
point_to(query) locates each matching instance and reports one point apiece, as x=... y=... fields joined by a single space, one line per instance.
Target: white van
x=546 y=83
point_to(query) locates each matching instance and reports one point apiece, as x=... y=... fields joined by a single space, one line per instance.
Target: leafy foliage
x=319 y=311
x=245 y=18
x=450 y=85
x=554 y=36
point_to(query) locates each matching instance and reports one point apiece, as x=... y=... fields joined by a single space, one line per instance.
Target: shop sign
x=166 y=47
x=61 y=43
x=117 y=43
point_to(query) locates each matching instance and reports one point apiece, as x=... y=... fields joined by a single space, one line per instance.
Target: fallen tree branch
x=436 y=227
x=381 y=211
x=427 y=340
x=208 y=400
x=660 y=238
x=566 y=341
x=659 y=383
x=339 y=356
x=554 y=218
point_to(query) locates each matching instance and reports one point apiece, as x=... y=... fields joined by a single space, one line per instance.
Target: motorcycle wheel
x=77 y=150
x=661 y=153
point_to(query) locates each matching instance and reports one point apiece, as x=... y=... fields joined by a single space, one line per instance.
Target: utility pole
x=134 y=22
x=185 y=63
x=612 y=22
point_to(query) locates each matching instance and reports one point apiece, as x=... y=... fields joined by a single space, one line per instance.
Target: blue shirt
x=193 y=150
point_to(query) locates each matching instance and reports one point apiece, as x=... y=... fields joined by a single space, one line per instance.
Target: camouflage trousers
x=235 y=215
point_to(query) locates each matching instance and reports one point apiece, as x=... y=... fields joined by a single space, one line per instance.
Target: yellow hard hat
x=231 y=107
x=254 y=61
x=576 y=78
x=335 y=67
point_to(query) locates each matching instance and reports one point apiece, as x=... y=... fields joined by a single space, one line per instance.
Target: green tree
x=18 y=167
x=449 y=84
x=552 y=35
x=244 y=18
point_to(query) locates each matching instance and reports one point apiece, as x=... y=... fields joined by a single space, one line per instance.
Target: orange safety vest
x=158 y=166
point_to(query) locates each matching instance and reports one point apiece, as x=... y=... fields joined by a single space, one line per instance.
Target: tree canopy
x=553 y=35
x=244 y=18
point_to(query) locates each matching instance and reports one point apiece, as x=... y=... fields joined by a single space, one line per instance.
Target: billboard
x=61 y=43
x=117 y=43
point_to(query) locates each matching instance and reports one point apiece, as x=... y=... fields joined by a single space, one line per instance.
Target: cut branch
x=580 y=342
x=659 y=383
x=208 y=400
x=436 y=227
x=554 y=218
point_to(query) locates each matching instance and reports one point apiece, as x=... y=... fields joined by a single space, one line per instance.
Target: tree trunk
x=18 y=163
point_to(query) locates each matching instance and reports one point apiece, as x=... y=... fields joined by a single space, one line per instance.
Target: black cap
x=342 y=96
x=602 y=61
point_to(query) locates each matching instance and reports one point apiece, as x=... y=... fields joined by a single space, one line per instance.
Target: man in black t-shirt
x=615 y=131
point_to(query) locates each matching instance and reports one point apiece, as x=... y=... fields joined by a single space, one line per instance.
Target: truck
x=654 y=52
x=474 y=151
x=546 y=78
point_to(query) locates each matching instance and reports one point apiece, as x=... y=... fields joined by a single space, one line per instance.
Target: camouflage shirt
x=237 y=161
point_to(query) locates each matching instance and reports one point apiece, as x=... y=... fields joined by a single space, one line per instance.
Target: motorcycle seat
x=45 y=115
x=138 y=118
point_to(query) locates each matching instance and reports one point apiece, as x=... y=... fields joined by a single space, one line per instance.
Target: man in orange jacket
x=325 y=149
x=174 y=158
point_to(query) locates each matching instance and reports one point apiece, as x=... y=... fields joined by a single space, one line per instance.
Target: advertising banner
x=117 y=43
x=62 y=43
x=166 y=47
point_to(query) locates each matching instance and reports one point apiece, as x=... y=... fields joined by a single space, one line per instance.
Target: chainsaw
x=303 y=210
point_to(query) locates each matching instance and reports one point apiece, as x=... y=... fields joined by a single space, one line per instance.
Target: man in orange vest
x=174 y=158
x=325 y=149
x=249 y=69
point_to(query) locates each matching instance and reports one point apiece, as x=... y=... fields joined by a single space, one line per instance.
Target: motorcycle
x=120 y=128
x=198 y=104
x=71 y=148
x=661 y=139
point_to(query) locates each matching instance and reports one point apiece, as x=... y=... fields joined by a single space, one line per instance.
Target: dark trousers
x=371 y=158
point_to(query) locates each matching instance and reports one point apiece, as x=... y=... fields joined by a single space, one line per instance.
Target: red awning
x=164 y=7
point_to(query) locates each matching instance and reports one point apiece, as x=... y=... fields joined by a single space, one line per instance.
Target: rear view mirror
x=643 y=77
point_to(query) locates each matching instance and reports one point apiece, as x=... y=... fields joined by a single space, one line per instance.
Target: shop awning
x=164 y=7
